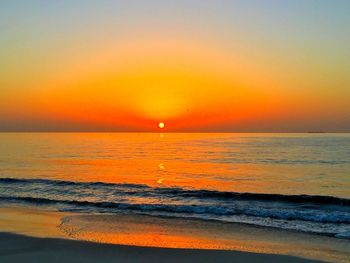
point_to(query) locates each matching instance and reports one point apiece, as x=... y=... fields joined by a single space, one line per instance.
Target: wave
x=326 y=215
x=145 y=190
x=316 y=199
x=64 y=183
x=291 y=214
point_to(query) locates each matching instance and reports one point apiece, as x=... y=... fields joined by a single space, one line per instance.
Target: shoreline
x=21 y=248
x=169 y=233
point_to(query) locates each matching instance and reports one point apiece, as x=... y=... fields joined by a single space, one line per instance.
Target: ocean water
x=298 y=182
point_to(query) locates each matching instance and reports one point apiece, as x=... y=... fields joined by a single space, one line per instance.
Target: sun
x=161 y=125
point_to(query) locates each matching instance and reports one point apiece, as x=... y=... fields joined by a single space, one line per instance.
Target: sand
x=36 y=235
x=20 y=248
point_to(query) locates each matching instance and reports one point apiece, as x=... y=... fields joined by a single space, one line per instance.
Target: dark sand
x=20 y=248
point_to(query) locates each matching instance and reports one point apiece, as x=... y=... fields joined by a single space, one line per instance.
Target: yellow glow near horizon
x=128 y=66
x=190 y=82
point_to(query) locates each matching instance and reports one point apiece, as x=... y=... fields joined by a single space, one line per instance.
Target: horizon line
x=84 y=131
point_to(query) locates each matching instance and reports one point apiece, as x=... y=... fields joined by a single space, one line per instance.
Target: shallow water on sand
x=149 y=231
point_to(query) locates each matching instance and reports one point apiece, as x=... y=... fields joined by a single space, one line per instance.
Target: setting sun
x=161 y=125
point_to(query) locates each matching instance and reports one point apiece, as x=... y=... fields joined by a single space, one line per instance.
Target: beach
x=221 y=197
x=19 y=248
x=34 y=235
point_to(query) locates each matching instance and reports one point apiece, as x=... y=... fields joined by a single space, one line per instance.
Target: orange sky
x=94 y=72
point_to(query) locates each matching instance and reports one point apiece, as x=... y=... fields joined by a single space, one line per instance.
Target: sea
x=295 y=182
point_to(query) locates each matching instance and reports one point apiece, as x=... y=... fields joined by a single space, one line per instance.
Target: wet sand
x=19 y=248
x=33 y=235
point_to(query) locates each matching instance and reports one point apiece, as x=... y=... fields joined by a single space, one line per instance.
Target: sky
x=196 y=65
